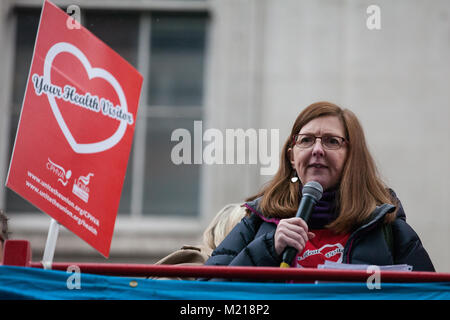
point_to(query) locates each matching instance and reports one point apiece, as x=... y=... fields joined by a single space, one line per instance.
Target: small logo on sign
x=59 y=171
x=80 y=187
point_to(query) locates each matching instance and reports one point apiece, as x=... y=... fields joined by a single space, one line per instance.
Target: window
x=174 y=100
x=169 y=49
x=27 y=23
x=119 y=30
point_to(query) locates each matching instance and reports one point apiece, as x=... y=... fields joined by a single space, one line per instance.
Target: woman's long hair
x=360 y=190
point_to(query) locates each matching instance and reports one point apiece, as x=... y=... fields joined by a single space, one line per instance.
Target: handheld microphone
x=311 y=193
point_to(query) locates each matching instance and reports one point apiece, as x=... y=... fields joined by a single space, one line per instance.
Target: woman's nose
x=318 y=148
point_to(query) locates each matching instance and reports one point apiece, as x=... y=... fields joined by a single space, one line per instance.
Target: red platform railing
x=246 y=273
x=17 y=252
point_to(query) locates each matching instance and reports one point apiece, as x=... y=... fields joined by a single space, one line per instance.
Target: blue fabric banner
x=32 y=283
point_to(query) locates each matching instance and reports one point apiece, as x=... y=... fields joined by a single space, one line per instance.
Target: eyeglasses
x=305 y=141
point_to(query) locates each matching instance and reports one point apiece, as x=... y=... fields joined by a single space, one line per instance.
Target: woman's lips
x=317 y=166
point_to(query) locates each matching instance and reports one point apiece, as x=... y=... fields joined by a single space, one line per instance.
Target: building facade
x=244 y=69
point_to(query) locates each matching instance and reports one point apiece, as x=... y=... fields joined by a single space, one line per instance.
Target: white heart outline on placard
x=92 y=73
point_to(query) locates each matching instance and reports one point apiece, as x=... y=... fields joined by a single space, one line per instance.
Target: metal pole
x=50 y=245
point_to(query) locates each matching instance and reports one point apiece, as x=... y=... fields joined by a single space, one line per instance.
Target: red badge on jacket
x=326 y=245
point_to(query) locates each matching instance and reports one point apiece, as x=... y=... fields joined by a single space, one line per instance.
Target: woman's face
x=318 y=163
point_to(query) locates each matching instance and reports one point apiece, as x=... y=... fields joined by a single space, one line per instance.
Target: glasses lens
x=331 y=142
x=305 y=140
x=328 y=142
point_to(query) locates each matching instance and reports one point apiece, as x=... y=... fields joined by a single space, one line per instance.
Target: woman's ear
x=290 y=154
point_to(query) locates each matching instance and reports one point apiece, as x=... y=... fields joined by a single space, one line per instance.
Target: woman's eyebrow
x=323 y=134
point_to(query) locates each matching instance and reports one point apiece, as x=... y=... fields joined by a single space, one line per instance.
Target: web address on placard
x=79 y=220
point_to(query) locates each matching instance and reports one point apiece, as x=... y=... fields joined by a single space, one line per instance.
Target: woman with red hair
x=358 y=220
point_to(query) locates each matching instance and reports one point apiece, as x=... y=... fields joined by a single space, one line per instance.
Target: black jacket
x=251 y=243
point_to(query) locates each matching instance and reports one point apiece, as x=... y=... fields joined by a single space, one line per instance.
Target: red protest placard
x=75 y=130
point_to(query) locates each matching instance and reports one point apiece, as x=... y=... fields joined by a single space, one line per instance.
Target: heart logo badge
x=92 y=73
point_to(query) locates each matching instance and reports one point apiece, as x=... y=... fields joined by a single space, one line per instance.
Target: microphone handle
x=304 y=211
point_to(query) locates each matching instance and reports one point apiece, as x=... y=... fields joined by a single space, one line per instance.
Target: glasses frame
x=294 y=140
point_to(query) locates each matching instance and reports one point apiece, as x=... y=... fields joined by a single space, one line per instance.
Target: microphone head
x=313 y=189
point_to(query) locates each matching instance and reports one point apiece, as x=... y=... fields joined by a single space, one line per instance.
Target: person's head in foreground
x=4 y=232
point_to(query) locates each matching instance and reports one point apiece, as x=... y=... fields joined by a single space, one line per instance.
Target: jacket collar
x=253 y=206
x=377 y=215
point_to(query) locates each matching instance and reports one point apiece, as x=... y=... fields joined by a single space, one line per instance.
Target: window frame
x=148 y=111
